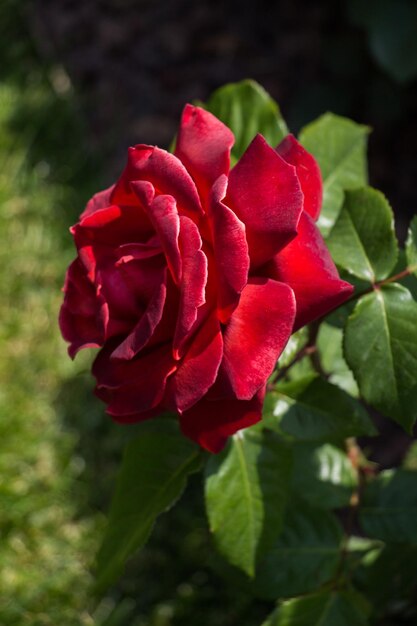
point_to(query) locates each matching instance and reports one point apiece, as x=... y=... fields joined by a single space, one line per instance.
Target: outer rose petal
x=134 y=418
x=265 y=194
x=211 y=422
x=100 y=200
x=308 y=173
x=230 y=251
x=307 y=267
x=257 y=334
x=132 y=386
x=84 y=314
x=165 y=172
x=203 y=145
x=194 y=279
x=198 y=370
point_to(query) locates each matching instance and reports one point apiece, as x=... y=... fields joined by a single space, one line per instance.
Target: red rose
x=191 y=278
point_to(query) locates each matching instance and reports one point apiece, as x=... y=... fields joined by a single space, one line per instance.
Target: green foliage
x=166 y=458
x=411 y=245
x=410 y=460
x=247 y=109
x=246 y=489
x=387 y=578
x=295 y=343
x=311 y=409
x=327 y=608
x=305 y=556
x=330 y=350
x=323 y=475
x=363 y=239
x=339 y=146
x=389 y=507
x=381 y=349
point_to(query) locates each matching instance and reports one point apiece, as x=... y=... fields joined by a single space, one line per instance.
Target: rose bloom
x=190 y=277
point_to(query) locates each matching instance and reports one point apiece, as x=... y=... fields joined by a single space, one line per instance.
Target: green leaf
x=246 y=492
x=152 y=477
x=311 y=409
x=409 y=281
x=363 y=239
x=410 y=460
x=295 y=343
x=360 y=550
x=306 y=554
x=330 y=347
x=411 y=246
x=389 y=507
x=323 y=475
x=339 y=146
x=388 y=579
x=381 y=349
x=247 y=109
x=325 y=608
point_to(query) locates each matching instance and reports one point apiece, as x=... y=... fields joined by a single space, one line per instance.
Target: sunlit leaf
x=323 y=475
x=381 y=349
x=363 y=239
x=247 y=109
x=339 y=146
x=246 y=492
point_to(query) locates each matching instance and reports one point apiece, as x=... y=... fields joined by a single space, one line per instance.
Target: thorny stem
x=281 y=373
x=392 y=279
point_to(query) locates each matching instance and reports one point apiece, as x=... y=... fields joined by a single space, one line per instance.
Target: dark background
x=134 y=63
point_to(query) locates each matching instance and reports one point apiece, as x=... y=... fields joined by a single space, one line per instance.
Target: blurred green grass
x=44 y=550
x=46 y=546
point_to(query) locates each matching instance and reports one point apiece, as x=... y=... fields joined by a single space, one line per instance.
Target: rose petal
x=98 y=234
x=308 y=173
x=100 y=200
x=137 y=251
x=197 y=371
x=257 y=334
x=265 y=194
x=145 y=328
x=132 y=386
x=230 y=251
x=307 y=267
x=163 y=213
x=203 y=145
x=194 y=278
x=84 y=314
x=134 y=418
x=211 y=422
x=165 y=172
x=129 y=286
